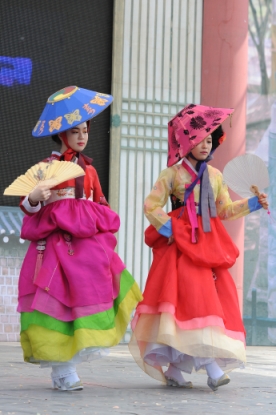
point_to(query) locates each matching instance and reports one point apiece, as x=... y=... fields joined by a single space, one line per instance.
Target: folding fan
x=246 y=174
x=51 y=173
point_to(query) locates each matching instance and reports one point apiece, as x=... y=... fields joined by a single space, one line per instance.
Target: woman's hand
x=263 y=200
x=40 y=193
x=170 y=240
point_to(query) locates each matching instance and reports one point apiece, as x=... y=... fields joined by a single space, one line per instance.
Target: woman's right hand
x=263 y=200
x=39 y=194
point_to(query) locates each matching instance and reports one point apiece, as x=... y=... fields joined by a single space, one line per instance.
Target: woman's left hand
x=170 y=240
x=263 y=200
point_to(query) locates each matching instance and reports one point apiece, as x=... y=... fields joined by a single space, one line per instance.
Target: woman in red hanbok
x=189 y=317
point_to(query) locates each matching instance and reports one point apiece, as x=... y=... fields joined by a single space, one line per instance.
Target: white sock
x=213 y=370
x=63 y=371
x=175 y=373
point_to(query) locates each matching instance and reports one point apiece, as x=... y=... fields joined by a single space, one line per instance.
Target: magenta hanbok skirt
x=79 y=296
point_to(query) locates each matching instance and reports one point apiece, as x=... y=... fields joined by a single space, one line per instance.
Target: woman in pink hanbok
x=75 y=294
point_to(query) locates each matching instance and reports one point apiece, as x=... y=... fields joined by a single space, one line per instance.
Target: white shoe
x=174 y=382
x=214 y=384
x=174 y=377
x=69 y=383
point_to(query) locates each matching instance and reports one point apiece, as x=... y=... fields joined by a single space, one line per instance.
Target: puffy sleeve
x=228 y=210
x=156 y=200
x=27 y=208
x=92 y=186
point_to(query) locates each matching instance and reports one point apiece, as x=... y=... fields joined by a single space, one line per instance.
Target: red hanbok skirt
x=190 y=307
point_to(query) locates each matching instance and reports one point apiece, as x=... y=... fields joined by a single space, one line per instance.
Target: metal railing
x=254 y=322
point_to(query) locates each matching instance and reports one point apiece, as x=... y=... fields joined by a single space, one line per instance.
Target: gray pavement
x=116 y=385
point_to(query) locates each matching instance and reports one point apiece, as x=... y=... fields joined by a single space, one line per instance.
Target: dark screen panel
x=45 y=46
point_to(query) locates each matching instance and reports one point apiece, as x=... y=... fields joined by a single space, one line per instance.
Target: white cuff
x=28 y=207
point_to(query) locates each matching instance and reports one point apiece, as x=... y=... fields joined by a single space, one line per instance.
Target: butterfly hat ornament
x=69 y=107
x=49 y=173
x=246 y=174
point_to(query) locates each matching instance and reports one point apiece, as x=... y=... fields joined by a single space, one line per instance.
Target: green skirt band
x=44 y=338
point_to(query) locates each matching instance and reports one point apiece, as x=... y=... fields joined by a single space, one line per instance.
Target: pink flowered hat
x=190 y=126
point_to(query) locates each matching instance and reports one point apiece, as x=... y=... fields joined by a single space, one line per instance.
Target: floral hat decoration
x=69 y=107
x=190 y=126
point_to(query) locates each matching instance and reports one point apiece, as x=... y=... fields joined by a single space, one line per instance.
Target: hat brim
x=191 y=126
x=68 y=108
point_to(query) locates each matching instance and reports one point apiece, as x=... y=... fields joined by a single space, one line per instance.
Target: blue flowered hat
x=69 y=107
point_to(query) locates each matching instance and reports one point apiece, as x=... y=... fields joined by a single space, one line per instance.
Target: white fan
x=51 y=173
x=246 y=174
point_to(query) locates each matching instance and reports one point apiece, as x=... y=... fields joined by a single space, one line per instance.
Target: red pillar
x=224 y=84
